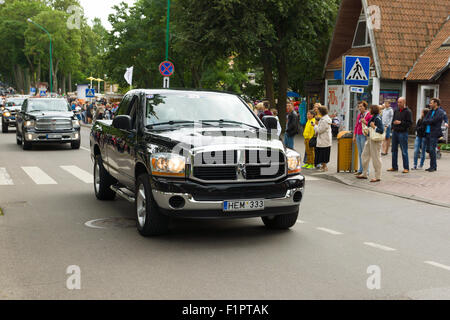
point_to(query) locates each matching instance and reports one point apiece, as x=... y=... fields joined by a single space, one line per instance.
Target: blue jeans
x=360 y=142
x=431 y=146
x=400 y=138
x=288 y=141
x=420 y=145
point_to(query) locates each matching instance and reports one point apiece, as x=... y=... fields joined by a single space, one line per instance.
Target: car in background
x=47 y=120
x=9 y=112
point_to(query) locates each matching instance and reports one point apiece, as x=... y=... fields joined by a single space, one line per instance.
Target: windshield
x=193 y=107
x=48 y=105
x=15 y=102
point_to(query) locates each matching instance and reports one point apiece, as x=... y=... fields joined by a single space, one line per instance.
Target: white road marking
x=38 y=176
x=435 y=264
x=333 y=232
x=90 y=224
x=301 y=221
x=379 y=246
x=5 y=179
x=84 y=176
x=85 y=149
x=311 y=178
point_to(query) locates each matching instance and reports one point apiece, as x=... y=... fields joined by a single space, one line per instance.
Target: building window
x=362 y=38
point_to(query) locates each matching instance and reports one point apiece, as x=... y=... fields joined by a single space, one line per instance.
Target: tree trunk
x=55 y=77
x=283 y=86
x=38 y=78
x=70 y=82
x=268 y=75
x=64 y=83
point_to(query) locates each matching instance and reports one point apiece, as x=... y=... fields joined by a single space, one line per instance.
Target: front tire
x=281 y=222
x=150 y=221
x=102 y=181
x=4 y=127
x=26 y=145
x=75 y=145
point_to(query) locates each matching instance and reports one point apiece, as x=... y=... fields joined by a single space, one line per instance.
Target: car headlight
x=294 y=161
x=75 y=123
x=7 y=114
x=29 y=124
x=168 y=164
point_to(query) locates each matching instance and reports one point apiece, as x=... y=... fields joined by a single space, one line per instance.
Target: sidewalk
x=433 y=188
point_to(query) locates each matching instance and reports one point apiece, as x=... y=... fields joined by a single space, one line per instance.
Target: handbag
x=375 y=136
x=313 y=142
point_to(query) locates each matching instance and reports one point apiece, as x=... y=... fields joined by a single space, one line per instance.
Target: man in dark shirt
x=292 y=126
x=401 y=123
x=433 y=130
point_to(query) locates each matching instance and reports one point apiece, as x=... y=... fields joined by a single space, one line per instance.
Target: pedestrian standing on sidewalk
x=308 y=134
x=372 y=148
x=420 y=143
x=324 y=139
x=388 y=116
x=401 y=123
x=292 y=126
x=358 y=135
x=275 y=114
x=433 y=130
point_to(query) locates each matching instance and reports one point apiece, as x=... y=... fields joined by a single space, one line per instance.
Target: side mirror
x=270 y=122
x=122 y=122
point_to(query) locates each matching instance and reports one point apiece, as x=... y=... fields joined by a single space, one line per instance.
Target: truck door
x=121 y=152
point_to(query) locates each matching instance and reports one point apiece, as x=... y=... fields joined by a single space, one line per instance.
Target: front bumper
x=11 y=122
x=286 y=201
x=52 y=137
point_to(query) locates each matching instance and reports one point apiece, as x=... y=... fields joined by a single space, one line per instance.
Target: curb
x=413 y=198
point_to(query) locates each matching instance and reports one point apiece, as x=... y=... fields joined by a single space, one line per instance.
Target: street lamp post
x=51 y=59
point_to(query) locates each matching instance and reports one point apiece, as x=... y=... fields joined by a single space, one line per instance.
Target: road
x=47 y=197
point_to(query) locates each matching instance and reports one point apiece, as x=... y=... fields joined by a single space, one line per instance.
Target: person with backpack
x=292 y=126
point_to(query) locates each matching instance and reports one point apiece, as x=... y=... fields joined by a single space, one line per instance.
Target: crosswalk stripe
x=5 y=179
x=38 y=176
x=84 y=176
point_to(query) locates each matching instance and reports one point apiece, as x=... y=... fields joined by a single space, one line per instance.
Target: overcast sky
x=100 y=9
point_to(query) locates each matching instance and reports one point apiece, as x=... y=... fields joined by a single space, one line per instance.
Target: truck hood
x=51 y=114
x=195 y=138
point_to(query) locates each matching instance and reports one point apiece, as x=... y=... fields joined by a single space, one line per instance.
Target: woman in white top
x=324 y=139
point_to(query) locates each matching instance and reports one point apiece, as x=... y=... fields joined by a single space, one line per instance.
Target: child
x=275 y=114
x=309 y=133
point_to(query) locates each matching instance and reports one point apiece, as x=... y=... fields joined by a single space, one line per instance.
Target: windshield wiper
x=171 y=123
x=232 y=122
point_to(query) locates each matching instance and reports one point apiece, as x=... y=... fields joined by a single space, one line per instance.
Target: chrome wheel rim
x=141 y=206
x=96 y=177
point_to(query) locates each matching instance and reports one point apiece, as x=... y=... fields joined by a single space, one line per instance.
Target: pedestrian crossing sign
x=90 y=93
x=356 y=70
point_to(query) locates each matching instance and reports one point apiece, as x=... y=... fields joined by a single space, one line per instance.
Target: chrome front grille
x=239 y=166
x=53 y=124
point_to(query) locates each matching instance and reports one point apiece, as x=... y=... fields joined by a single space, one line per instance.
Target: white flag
x=129 y=75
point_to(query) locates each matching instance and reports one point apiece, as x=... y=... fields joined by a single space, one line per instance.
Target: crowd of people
x=87 y=112
x=378 y=129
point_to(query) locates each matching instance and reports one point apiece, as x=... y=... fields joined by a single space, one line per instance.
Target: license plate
x=243 y=205
x=54 y=136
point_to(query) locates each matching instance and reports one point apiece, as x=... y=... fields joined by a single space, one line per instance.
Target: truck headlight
x=294 y=161
x=29 y=124
x=75 y=123
x=7 y=114
x=168 y=164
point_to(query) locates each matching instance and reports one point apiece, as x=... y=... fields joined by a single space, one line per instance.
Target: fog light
x=298 y=197
x=177 y=202
x=30 y=136
x=76 y=136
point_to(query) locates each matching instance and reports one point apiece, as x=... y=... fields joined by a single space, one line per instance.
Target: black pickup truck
x=197 y=155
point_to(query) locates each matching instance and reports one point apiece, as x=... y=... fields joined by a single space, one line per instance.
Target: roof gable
x=435 y=58
x=407 y=29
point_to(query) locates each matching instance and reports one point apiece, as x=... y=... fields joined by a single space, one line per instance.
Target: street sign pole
x=167 y=30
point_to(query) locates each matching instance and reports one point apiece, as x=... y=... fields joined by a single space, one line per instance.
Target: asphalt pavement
x=50 y=222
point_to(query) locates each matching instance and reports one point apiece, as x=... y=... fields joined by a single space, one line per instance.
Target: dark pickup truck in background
x=194 y=154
